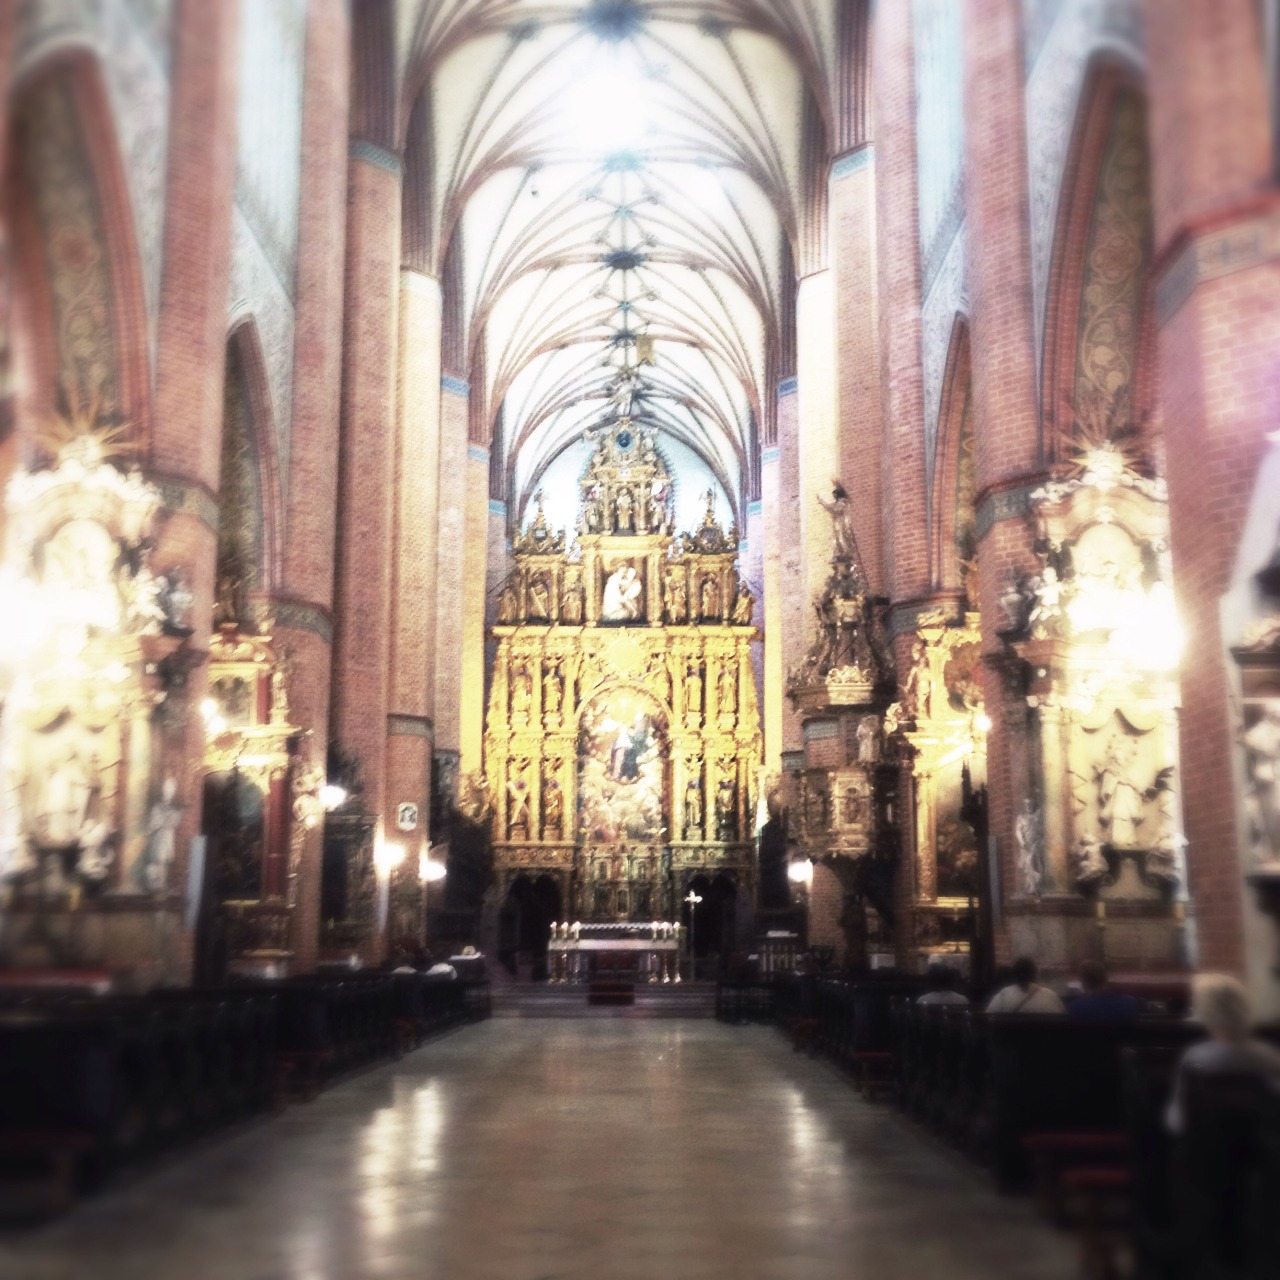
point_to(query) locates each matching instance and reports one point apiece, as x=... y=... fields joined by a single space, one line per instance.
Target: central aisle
x=551 y=1150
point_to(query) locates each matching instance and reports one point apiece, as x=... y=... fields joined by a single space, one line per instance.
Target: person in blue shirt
x=1098 y=1002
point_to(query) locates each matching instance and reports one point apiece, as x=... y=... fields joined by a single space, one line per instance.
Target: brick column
x=852 y=239
x=793 y=633
x=366 y=470
x=304 y=610
x=413 y=598
x=901 y=391
x=1004 y=386
x=191 y=356
x=449 y=565
x=770 y=607
x=474 y=578
x=818 y=453
x=900 y=464
x=1217 y=284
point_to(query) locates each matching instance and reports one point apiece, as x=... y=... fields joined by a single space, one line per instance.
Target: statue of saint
x=692 y=809
x=539 y=599
x=728 y=690
x=552 y=809
x=868 y=740
x=622 y=595
x=1121 y=806
x=677 y=601
x=726 y=808
x=571 y=606
x=508 y=608
x=624 y=507
x=591 y=517
x=844 y=545
x=743 y=605
x=518 y=800
x=151 y=871
x=552 y=691
x=693 y=689
x=1030 y=849
x=710 y=598
x=521 y=693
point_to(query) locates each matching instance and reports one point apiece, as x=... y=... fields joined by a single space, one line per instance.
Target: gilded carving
x=624 y=740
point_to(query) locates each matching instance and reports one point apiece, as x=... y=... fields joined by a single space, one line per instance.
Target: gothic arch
x=1099 y=338
x=80 y=323
x=250 y=498
x=952 y=536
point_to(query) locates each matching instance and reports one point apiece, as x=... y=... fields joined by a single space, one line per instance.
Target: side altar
x=623 y=741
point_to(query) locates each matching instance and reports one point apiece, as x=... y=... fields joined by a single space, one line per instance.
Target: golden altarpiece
x=1091 y=650
x=623 y=741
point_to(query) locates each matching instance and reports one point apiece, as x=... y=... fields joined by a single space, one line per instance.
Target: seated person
x=1100 y=1003
x=1222 y=1005
x=1025 y=994
x=943 y=980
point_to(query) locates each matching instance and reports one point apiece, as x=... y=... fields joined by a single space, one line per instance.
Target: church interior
x=643 y=535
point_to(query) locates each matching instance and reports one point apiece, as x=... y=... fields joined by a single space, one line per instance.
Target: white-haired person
x=1221 y=1004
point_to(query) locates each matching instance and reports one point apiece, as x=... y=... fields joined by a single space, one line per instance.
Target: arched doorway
x=712 y=922
x=531 y=906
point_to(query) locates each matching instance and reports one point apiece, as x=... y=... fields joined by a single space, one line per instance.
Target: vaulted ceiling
x=616 y=194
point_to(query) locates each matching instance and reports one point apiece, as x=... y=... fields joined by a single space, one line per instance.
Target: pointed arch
x=81 y=331
x=250 y=497
x=1099 y=337
x=953 y=533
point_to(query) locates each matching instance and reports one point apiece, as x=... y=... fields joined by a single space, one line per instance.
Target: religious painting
x=623 y=599
x=622 y=763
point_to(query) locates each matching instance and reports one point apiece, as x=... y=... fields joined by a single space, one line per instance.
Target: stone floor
x=551 y=1150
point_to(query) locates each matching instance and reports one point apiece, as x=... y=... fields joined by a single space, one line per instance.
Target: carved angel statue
x=1088 y=863
x=1046 y=606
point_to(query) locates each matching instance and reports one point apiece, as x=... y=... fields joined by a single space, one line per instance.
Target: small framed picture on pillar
x=406 y=817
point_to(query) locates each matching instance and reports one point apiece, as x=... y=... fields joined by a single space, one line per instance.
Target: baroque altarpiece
x=623 y=741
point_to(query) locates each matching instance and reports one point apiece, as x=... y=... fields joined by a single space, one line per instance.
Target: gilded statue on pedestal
x=675 y=596
x=552 y=691
x=693 y=809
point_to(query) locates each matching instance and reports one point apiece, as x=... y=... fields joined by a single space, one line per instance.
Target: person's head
x=942 y=977
x=1093 y=975
x=1222 y=1004
x=1024 y=971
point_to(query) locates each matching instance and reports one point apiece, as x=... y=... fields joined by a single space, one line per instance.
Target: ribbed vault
x=624 y=186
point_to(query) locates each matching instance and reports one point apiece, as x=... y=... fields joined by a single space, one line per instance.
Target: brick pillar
x=304 y=611
x=8 y=33
x=901 y=464
x=413 y=598
x=898 y=241
x=366 y=471
x=818 y=453
x=1217 y=283
x=794 y=633
x=770 y=606
x=1004 y=385
x=475 y=575
x=191 y=355
x=852 y=240
x=449 y=564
